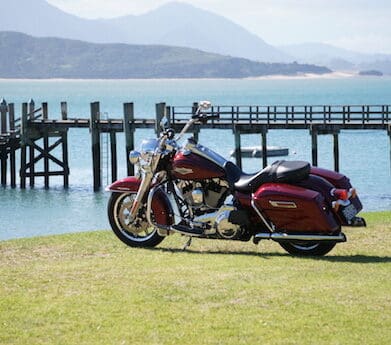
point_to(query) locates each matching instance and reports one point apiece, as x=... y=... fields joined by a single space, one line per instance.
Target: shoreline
x=332 y=75
x=304 y=76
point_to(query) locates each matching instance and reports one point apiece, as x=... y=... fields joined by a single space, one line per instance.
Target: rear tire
x=308 y=248
x=138 y=233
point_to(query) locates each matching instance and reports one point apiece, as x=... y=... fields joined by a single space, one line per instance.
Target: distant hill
x=320 y=51
x=181 y=24
x=337 y=58
x=175 y=24
x=23 y=56
x=371 y=73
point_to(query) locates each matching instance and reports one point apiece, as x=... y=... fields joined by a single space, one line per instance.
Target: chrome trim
x=206 y=153
x=281 y=236
x=149 y=205
x=118 y=190
x=282 y=204
x=174 y=208
x=183 y=232
x=184 y=129
x=183 y=171
x=134 y=157
x=143 y=188
x=171 y=228
x=263 y=236
x=260 y=214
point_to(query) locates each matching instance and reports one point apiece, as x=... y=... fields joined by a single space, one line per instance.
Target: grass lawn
x=89 y=288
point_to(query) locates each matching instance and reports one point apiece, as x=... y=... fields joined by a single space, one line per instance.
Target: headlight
x=146 y=158
x=134 y=157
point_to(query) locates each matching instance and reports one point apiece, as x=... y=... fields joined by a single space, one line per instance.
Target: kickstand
x=187 y=244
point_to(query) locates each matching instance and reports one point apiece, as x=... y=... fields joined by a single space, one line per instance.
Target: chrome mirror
x=164 y=123
x=205 y=105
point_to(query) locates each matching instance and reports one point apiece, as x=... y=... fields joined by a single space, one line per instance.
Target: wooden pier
x=35 y=136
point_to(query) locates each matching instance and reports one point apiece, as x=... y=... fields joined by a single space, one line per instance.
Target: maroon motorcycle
x=193 y=191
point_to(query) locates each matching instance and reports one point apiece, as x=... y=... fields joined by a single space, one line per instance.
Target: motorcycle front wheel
x=137 y=233
x=308 y=248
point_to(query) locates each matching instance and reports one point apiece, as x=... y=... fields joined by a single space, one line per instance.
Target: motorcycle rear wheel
x=138 y=233
x=308 y=248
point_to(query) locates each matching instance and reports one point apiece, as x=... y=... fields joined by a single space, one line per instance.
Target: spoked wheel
x=308 y=248
x=137 y=233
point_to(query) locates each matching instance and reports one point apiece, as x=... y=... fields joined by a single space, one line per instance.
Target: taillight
x=340 y=194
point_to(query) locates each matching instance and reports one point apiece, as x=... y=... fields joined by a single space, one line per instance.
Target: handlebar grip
x=205 y=117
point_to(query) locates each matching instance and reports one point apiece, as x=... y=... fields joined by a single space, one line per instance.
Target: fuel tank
x=191 y=166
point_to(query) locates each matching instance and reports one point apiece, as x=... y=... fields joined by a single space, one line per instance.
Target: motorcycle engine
x=204 y=195
x=206 y=198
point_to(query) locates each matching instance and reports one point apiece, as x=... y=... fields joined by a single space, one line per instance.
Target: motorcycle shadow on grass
x=355 y=259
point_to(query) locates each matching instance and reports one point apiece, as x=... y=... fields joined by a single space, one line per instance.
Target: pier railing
x=282 y=116
x=39 y=138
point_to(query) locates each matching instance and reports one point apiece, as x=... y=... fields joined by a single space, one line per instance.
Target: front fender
x=127 y=184
x=161 y=206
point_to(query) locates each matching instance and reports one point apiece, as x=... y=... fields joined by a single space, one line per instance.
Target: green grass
x=89 y=288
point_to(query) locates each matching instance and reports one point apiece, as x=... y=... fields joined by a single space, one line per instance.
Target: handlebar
x=214 y=117
x=203 y=118
x=199 y=116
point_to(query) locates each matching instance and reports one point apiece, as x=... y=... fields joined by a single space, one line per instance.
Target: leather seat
x=280 y=171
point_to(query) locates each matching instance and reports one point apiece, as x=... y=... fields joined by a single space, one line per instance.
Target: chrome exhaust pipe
x=282 y=236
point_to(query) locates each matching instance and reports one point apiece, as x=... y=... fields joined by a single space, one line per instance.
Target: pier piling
x=238 y=147
x=129 y=129
x=336 y=150
x=23 y=143
x=64 y=139
x=160 y=113
x=45 y=146
x=389 y=136
x=95 y=145
x=13 y=144
x=3 y=148
x=31 y=174
x=35 y=136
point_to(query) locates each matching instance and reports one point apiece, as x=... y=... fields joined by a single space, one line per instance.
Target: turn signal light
x=340 y=194
x=335 y=206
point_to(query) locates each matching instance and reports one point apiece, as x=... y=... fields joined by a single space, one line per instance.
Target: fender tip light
x=340 y=194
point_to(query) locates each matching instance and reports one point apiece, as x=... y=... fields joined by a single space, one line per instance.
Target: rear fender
x=160 y=205
x=338 y=181
x=319 y=184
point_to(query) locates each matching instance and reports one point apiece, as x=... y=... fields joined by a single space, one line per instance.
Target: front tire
x=138 y=233
x=308 y=248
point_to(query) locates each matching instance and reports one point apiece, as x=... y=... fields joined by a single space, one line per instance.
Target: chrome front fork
x=138 y=201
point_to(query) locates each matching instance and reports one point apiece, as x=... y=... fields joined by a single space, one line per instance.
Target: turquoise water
x=364 y=154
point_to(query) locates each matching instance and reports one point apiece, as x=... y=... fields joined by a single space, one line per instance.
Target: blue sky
x=360 y=25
